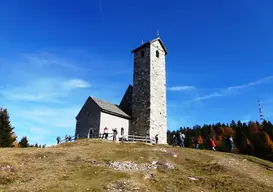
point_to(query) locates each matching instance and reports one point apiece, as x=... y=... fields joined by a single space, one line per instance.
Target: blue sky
x=54 y=54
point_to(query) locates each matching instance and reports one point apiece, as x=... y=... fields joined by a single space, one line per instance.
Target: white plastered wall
x=111 y=122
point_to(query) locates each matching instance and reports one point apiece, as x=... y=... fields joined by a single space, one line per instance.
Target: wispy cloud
x=261 y=81
x=50 y=89
x=50 y=117
x=180 y=88
x=76 y=83
x=46 y=59
x=211 y=95
x=39 y=131
x=228 y=90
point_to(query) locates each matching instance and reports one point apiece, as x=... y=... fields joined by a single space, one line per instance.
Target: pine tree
x=6 y=130
x=233 y=124
x=36 y=145
x=24 y=142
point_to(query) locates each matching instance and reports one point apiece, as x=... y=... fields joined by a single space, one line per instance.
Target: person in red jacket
x=105 y=133
x=212 y=143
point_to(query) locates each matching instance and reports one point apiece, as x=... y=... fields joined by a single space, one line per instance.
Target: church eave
x=116 y=114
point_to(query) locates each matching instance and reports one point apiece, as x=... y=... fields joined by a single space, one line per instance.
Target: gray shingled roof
x=109 y=107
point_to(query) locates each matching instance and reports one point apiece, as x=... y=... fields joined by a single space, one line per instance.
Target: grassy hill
x=105 y=166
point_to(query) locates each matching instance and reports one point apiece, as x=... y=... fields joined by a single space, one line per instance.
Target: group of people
x=67 y=138
x=105 y=133
x=182 y=140
x=197 y=142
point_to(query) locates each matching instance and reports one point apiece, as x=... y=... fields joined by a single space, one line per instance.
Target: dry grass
x=74 y=167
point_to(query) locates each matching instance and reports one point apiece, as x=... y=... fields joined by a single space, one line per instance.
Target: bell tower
x=149 y=91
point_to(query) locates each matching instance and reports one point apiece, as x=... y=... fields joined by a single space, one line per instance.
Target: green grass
x=74 y=167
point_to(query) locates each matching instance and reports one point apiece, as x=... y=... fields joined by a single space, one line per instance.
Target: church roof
x=110 y=108
x=149 y=42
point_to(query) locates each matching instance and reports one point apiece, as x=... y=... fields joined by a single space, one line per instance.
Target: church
x=142 y=110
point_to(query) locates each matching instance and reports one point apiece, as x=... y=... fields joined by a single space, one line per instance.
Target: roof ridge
x=110 y=107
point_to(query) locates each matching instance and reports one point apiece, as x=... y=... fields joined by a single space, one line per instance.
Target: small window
x=157 y=53
x=142 y=53
x=122 y=131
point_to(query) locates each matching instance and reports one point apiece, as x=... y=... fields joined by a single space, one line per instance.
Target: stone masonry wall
x=141 y=92
x=158 y=122
x=126 y=102
x=88 y=117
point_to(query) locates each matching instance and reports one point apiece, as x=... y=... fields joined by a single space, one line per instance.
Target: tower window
x=142 y=53
x=157 y=53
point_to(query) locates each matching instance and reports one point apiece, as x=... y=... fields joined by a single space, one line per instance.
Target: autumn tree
x=253 y=138
x=268 y=144
x=6 y=130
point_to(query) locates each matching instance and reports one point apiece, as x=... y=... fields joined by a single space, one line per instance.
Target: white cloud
x=39 y=131
x=76 y=83
x=180 y=88
x=50 y=89
x=227 y=90
x=50 y=117
x=46 y=59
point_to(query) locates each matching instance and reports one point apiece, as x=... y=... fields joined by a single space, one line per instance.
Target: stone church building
x=142 y=110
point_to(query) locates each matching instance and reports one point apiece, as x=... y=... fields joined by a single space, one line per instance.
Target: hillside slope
x=105 y=166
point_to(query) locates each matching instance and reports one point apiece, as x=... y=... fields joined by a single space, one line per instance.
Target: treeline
x=7 y=135
x=252 y=138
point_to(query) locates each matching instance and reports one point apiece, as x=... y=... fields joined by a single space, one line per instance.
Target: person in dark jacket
x=230 y=144
x=115 y=133
x=58 y=139
x=174 y=141
x=156 y=138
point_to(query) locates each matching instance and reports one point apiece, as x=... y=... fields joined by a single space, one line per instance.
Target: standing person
x=58 y=139
x=182 y=139
x=156 y=138
x=230 y=144
x=197 y=142
x=174 y=140
x=105 y=133
x=115 y=132
x=213 y=145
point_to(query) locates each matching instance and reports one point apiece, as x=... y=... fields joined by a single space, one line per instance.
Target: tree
x=212 y=132
x=24 y=142
x=233 y=124
x=36 y=145
x=6 y=130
